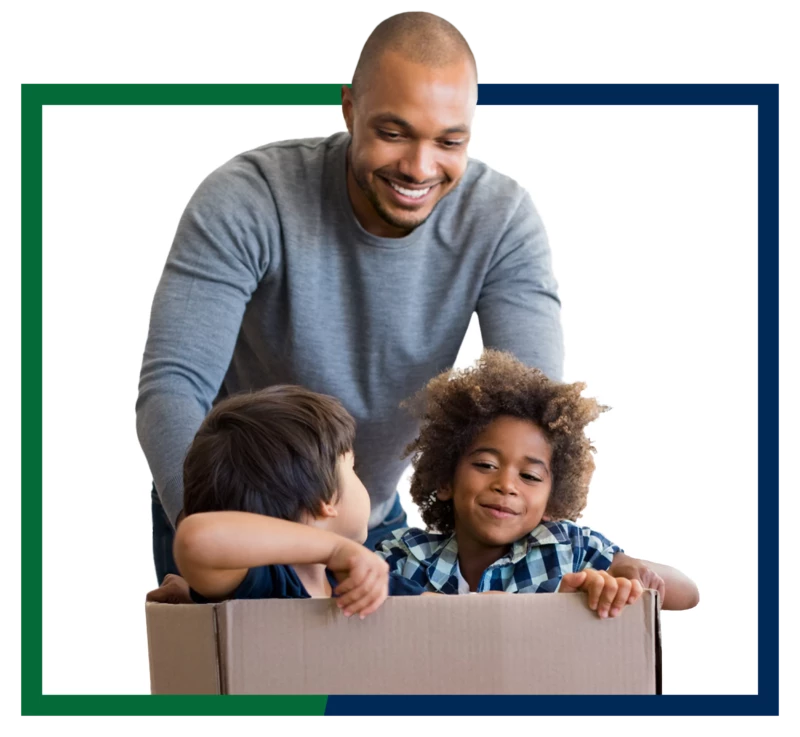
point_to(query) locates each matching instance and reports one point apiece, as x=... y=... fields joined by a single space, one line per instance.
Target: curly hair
x=456 y=406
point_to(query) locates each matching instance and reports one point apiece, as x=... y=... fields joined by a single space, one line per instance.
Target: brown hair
x=271 y=452
x=457 y=405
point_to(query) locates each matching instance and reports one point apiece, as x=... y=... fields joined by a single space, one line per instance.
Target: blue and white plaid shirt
x=534 y=564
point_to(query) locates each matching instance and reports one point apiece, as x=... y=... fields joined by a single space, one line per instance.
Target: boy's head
x=284 y=452
x=500 y=447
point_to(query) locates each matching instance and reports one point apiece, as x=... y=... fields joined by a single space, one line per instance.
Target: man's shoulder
x=485 y=183
x=274 y=165
x=488 y=198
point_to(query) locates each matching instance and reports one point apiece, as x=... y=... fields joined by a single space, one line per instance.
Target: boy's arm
x=678 y=591
x=214 y=550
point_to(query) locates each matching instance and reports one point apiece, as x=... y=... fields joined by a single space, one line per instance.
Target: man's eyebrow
x=402 y=123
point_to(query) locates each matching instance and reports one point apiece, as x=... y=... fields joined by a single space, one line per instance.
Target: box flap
x=182 y=641
x=538 y=644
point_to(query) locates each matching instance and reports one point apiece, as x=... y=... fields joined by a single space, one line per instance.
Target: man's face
x=410 y=128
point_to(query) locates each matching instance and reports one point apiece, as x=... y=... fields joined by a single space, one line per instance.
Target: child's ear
x=445 y=494
x=327 y=510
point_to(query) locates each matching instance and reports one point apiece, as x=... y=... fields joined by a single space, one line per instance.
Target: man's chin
x=407 y=221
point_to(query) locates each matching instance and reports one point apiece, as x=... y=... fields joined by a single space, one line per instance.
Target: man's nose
x=419 y=163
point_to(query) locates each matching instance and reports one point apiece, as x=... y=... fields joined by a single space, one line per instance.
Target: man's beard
x=385 y=215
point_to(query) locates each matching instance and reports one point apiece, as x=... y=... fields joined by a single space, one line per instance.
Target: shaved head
x=422 y=38
x=409 y=114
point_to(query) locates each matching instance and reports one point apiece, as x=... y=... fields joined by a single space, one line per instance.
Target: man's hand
x=607 y=594
x=638 y=570
x=363 y=578
x=173 y=590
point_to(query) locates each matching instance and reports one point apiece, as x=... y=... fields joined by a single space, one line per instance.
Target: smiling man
x=350 y=265
x=409 y=116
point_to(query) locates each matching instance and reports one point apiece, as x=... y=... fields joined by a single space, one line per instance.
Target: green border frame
x=34 y=98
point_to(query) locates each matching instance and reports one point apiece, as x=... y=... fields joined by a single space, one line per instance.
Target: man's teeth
x=415 y=194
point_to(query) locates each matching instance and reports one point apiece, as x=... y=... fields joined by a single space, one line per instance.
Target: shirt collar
x=442 y=565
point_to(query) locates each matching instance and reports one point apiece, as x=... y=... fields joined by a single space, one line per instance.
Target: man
x=349 y=265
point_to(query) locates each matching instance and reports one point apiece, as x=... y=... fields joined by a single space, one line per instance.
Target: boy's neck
x=314 y=580
x=474 y=558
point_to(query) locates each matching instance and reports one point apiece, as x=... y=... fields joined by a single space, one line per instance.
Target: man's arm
x=677 y=590
x=219 y=255
x=518 y=308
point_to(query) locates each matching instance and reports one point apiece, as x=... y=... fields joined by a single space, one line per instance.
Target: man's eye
x=389 y=135
x=452 y=144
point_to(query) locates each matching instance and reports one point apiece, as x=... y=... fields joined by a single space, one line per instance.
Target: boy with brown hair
x=273 y=507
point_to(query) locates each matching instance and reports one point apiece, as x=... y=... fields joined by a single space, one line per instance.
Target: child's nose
x=504 y=483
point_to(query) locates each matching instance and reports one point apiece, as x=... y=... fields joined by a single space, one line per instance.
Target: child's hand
x=363 y=578
x=607 y=594
x=638 y=570
x=173 y=590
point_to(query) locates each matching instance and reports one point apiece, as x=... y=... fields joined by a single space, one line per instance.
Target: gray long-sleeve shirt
x=271 y=279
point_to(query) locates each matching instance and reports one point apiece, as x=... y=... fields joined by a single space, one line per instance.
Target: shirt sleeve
x=218 y=257
x=593 y=551
x=518 y=308
x=400 y=586
x=395 y=552
x=263 y=582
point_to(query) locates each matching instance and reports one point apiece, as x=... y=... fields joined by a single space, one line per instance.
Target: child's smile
x=501 y=484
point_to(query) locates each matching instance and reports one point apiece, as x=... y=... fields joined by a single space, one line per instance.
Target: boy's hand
x=638 y=570
x=607 y=594
x=173 y=590
x=363 y=578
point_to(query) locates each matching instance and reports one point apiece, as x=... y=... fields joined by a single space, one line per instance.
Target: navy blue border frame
x=765 y=97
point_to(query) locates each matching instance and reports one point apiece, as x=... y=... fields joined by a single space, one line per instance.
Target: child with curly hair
x=501 y=472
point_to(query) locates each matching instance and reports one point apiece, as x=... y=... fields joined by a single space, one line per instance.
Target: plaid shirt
x=534 y=564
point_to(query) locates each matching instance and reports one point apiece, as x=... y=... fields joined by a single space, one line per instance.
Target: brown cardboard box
x=535 y=644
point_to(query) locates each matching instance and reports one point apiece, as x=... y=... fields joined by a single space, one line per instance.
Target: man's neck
x=474 y=558
x=314 y=580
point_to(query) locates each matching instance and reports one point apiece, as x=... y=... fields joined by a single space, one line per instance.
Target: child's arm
x=677 y=591
x=214 y=550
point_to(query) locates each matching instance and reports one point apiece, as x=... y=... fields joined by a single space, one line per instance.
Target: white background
x=651 y=216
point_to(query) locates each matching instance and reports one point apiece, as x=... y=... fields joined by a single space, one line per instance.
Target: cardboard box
x=535 y=644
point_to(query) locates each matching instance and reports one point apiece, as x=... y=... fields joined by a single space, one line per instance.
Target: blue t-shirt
x=282 y=582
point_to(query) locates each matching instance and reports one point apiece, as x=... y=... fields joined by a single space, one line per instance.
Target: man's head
x=284 y=452
x=409 y=112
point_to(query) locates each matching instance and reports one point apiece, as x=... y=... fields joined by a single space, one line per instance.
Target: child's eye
x=529 y=477
x=483 y=464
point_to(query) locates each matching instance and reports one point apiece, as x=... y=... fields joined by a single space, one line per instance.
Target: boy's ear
x=445 y=494
x=327 y=510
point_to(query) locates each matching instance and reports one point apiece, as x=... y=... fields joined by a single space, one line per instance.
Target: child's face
x=501 y=484
x=352 y=503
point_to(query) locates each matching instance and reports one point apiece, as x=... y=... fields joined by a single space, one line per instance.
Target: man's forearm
x=166 y=425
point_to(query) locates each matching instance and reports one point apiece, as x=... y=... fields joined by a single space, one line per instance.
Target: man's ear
x=445 y=494
x=347 y=107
